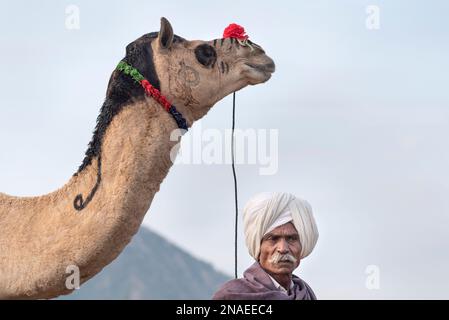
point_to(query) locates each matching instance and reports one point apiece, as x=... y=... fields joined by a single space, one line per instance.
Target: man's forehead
x=285 y=229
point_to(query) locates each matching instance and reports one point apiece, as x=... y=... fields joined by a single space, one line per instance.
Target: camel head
x=194 y=75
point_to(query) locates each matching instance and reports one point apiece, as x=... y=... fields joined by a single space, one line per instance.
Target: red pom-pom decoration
x=235 y=31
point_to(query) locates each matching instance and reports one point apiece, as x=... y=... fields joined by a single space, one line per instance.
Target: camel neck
x=134 y=158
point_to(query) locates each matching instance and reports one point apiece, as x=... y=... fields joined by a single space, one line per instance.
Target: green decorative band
x=129 y=70
x=153 y=92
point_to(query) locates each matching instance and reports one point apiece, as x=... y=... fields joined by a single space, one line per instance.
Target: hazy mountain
x=150 y=267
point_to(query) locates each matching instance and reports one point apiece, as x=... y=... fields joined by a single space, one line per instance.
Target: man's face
x=280 y=250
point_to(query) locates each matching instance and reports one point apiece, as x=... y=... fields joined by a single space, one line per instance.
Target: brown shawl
x=257 y=285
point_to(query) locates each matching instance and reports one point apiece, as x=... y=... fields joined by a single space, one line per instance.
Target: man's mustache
x=278 y=257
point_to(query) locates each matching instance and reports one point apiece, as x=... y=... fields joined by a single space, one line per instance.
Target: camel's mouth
x=265 y=68
x=259 y=72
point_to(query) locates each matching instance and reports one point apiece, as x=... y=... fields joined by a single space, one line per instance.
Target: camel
x=88 y=221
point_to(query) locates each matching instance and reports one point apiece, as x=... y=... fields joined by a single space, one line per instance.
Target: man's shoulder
x=304 y=286
x=231 y=287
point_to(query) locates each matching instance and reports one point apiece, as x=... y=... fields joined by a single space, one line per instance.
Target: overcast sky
x=362 y=116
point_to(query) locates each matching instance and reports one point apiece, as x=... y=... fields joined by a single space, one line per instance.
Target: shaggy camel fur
x=89 y=221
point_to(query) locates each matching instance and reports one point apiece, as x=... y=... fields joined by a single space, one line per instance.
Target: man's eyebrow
x=268 y=235
x=275 y=235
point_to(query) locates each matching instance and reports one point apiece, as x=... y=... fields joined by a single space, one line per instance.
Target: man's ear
x=165 y=34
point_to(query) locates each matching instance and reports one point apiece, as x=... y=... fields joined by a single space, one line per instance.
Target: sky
x=361 y=112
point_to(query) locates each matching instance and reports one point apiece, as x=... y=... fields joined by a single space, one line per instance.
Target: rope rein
x=235 y=185
x=237 y=32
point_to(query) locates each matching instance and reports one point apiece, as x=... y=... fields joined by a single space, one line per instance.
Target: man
x=279 y=231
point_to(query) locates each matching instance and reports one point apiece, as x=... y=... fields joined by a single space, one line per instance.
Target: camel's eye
x=206 y=55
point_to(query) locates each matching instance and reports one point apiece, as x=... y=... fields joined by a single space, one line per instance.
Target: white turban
x=269 y=210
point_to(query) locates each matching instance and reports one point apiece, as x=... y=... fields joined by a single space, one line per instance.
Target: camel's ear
x=165 y=34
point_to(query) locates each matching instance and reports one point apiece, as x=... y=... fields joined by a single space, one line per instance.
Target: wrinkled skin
x=283 y=240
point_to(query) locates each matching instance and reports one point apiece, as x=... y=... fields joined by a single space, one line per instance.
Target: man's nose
x=283 y=246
